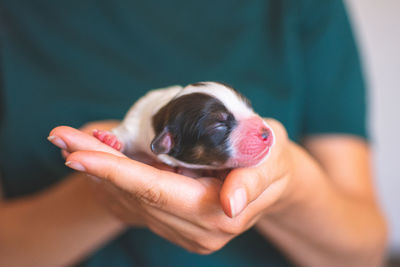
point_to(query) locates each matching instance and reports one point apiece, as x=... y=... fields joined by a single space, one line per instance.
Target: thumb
x=241 y=187
x=244 y=185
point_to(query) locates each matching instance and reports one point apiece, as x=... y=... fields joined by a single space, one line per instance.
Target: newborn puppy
x=205 y=125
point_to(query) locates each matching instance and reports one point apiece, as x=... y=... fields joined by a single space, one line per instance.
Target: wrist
x=94 y=192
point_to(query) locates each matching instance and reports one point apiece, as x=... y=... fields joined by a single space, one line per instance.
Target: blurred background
x=376 y=24
x=377 y=27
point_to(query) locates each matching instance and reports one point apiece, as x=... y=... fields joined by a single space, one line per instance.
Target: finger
x=153 y=187
x=208 y=211
x=64 y=153
x=241 y=187
x=188 y=234
x=174 y=235
x=71 y=140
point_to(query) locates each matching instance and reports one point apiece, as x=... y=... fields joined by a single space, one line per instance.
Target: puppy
x=205 y=125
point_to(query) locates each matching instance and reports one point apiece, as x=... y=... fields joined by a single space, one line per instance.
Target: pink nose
x=251 y=141
x=265 y=134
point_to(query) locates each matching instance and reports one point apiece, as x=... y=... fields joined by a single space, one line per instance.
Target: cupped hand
x=201 y=215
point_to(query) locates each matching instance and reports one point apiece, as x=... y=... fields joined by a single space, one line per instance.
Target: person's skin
x=316 y=202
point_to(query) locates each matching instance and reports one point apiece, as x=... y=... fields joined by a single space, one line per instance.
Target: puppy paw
x=108 y=138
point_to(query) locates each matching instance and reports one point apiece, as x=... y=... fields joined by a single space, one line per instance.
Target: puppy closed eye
x=217 y=132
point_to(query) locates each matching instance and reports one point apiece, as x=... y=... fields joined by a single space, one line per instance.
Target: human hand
x=189 y=212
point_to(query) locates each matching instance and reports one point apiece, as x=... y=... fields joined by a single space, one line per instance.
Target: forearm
x=321 y=225
x=55 y=228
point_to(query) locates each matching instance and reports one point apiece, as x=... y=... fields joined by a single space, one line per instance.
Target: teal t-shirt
x=72 y=62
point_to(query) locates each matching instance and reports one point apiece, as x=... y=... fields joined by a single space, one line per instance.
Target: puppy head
x=210 y=125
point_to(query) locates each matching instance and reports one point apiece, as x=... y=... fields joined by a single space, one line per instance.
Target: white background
x=377 y=27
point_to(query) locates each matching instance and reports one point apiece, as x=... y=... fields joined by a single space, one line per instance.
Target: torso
x=71 y=64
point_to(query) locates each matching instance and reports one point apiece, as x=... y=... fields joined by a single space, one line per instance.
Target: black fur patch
x=200 y=125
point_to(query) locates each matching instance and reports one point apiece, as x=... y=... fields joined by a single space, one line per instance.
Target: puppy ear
x=162 y=143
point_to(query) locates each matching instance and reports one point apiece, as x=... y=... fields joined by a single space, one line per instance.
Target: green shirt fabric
x=72 y=62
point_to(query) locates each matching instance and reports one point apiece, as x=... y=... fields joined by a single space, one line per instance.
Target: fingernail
x=238 y=201
x=57 y=141
x=75 y=165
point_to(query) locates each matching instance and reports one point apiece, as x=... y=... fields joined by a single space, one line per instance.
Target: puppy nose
x=264 y=134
